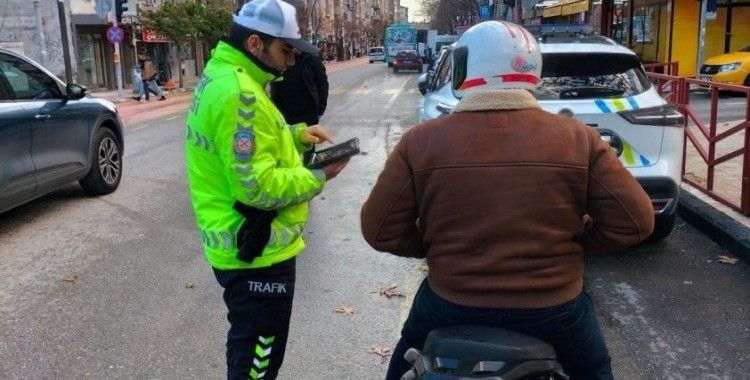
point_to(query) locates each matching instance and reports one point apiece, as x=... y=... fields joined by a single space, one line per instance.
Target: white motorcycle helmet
x=496 y=55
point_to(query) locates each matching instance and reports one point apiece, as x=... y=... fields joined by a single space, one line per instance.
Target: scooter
x=478 y=352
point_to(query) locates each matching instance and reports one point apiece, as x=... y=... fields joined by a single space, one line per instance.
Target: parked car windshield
x=376 y=50
x=588 y=76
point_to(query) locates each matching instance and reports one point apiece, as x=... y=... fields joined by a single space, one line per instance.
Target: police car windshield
x=590 y=76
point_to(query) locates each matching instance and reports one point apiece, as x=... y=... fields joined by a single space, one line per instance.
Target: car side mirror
x=75 y=91
x=422 y=83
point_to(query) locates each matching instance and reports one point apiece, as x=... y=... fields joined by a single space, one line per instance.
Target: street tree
x=453 y=13
x=215 y=20
x=189 y=22
x=429 y=9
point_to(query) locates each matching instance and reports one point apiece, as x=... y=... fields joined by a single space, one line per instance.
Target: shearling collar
x=487 y=100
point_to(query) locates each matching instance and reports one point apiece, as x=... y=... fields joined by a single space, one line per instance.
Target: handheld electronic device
x=335 y=153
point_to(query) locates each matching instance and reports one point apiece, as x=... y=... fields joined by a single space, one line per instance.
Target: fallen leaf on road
x=345 y=310
x=383 y=352
x=189 y=285
x=70 y=277
x=728 y=260
x=389 y=291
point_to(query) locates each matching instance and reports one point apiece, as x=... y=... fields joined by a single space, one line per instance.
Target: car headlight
x=730 y=67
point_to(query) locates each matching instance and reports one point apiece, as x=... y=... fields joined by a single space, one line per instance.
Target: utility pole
x=116 y=58
x=40 y=31
x=66 y=48
x=701 y=35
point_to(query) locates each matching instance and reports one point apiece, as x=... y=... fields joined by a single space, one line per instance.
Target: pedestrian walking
x=504 y=199
x=248 y=187
x=302 y=96
x=148 y=78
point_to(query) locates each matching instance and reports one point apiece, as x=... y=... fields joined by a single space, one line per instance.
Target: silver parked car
x=52 y=134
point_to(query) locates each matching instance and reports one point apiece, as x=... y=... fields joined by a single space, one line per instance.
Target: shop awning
x=565 y=7
x=152 y=36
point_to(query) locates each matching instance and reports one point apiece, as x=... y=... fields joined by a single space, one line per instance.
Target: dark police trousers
x=571 y=329
x=259 y=303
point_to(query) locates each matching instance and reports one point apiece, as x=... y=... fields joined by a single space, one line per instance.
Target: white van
x=376 y=53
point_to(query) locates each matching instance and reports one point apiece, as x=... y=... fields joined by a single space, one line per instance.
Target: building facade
x=403 y=15
x=344 y=28
x=657 y=30
x=32 y=28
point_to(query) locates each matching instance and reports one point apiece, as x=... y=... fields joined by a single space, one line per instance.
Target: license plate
x=703 y=77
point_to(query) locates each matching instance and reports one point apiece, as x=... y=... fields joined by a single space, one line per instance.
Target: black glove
x=254 y=232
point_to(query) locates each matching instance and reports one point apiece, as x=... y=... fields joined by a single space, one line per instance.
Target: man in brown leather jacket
x=504 y=199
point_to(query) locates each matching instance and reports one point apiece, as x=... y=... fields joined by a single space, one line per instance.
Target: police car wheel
x=106 y=164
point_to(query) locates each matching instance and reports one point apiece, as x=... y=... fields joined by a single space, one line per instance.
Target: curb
x=718 y=226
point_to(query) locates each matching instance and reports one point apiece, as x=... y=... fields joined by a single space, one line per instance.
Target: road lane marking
x=338 y=90
x=393 y=98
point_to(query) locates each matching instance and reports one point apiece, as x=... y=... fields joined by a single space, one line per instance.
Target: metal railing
x=668 y=68
x=704 y=137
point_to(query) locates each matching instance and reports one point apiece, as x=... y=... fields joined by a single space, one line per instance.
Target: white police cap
x=275 y=18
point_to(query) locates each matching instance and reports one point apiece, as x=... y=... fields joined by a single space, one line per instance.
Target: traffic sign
x=485 y=12
x=115 y=34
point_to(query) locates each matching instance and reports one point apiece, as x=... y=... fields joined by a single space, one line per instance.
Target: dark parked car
x=52 y=134
x=407 y=60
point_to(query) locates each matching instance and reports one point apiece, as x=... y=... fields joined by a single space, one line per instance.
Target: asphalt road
x=732 y=106
x=116 y=287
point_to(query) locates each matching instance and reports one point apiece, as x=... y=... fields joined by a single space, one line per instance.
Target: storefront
x=573 y=17
x=666 y=31
x=157 y=47
x=95 y=66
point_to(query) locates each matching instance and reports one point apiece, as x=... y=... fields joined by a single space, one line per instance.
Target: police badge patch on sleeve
x=244 y=145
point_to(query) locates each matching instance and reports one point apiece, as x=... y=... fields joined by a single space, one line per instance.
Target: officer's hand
x=314 y=135
x=333 y=169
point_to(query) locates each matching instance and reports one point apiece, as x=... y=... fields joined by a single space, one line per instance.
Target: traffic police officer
x=248 y=186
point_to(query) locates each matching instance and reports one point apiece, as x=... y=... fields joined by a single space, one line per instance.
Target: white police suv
x=602 y=84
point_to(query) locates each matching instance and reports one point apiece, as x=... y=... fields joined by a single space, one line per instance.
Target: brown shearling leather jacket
x=496 y=196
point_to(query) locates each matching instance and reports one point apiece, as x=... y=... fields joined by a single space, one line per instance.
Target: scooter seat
x=479 y=343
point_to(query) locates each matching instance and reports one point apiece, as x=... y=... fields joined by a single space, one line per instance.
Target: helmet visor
x=460 y=59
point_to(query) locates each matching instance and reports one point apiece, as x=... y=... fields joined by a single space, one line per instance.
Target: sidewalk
x=724 y=225
x=133 y=112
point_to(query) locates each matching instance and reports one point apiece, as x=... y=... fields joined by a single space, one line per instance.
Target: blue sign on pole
x=485 y=12
x=115 y=34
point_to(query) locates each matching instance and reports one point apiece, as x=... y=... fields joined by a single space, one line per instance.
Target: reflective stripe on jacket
x=239 y=148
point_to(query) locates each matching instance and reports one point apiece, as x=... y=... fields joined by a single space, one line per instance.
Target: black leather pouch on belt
x=254 y=232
